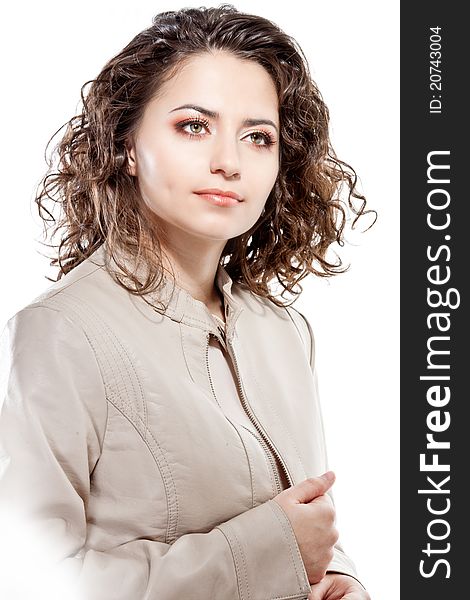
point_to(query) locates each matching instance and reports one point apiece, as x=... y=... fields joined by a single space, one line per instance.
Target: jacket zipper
x=208 y=335
x=252 y=418
x=266 y=450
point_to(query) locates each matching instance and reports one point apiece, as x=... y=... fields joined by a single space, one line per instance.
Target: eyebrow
x=215 y=115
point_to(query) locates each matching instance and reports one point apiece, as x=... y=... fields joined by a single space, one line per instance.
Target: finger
x=310 y=488
x=323 y=499
x=319 y=590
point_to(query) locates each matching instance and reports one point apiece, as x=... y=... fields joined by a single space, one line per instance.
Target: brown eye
x=193 y=128
x=196 y=125
x=266 y=139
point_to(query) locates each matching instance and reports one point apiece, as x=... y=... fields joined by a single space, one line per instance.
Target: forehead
x=221 y=82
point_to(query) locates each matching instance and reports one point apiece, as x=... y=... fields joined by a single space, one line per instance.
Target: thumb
x=319 y=591
x=310 y=488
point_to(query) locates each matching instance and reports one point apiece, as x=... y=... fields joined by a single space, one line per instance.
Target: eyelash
x=268 y=138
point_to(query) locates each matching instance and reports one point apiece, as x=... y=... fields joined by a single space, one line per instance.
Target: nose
x=225 y=157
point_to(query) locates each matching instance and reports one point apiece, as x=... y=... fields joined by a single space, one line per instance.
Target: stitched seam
x=122 y=374
x=191 y=319
x=49 y=295
x=267 y=461
x=161 y=464
x=243 y=560
x=266 y=399
x=196 y=320
x=296 y=327
x=300 y=596
x=113 y=365
x=172 y=520
x=98 y=365
x=130 y=368
x=245 y=568
x=145 y=432
x=184 y=347
x=308 y=351
x=273 y=408
x=235 y=562
x=92 y=345
x=118 y=375
x=252 y=477
x=289 y=543
x=126 y=408
x=121 y=351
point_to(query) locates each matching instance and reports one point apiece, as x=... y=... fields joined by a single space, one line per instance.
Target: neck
x=196 y=273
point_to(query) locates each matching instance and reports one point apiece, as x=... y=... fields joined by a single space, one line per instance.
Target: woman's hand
x=312 y=516
x=336 y=586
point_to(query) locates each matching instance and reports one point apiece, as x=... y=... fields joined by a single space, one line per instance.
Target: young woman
x=161 y=421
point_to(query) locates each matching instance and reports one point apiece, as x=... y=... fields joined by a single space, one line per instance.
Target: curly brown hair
x=100 y=201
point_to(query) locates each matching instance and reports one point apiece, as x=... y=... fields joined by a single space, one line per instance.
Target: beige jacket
x=111 y=435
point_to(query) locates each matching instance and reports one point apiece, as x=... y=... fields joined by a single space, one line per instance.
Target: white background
x=49 y=49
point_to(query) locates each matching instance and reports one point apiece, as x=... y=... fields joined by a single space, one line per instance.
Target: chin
x=216 y=230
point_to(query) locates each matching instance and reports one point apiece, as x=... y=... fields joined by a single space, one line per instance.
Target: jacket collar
x=176 y=302
x=182 y=307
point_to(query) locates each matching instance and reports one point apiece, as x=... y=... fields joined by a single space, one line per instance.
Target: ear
x=131 y=158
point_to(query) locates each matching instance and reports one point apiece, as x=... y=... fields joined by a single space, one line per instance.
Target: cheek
x=159 y=172
x=151 y=162
x=264 y=180
x=166 y=164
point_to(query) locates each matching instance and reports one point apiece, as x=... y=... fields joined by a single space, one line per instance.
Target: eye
x=196 y=124
x=263 y=139
x=264 y=136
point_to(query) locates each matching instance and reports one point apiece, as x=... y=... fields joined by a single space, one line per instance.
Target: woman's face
x=178 y=151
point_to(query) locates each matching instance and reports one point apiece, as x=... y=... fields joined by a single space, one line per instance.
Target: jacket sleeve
x=341 y=563
x=52 y=425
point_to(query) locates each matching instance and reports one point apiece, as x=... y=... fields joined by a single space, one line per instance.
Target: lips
x=222 y=193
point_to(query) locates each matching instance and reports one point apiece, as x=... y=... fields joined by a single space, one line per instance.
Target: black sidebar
x=434 y=262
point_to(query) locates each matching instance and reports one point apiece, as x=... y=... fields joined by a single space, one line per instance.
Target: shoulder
x=86 y=289
x=46 y=355
x=305 y=330
x=49 y=368
x=81 y=282
x=303 y=325
x=49 y=320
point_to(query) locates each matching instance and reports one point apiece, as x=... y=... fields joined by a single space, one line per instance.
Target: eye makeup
x=266 y=136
